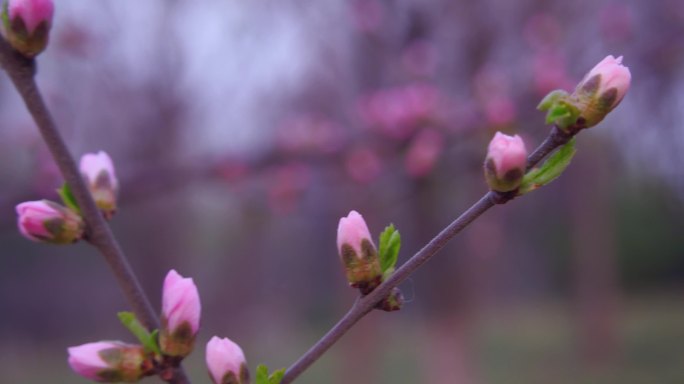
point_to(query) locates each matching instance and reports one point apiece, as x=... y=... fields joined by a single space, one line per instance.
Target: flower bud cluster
x=115 y=361
x=50 y=222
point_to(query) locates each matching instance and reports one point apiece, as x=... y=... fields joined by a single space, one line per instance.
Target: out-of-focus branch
x=365 y=304
x=21 y=71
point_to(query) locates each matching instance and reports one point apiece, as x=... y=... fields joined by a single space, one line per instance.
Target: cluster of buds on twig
x=51 y=222
x=599 y=92
x=26 y=25
x=365 y=267
x=161 y=351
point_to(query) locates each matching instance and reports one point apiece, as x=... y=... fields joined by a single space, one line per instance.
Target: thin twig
x=365 y=304
x=21 y=71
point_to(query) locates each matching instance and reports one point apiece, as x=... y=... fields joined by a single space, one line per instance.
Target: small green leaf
x=562 y=113
x=277 y=376
x=552 y=98
x=68 y=198
x=390 y=243
x=261 y=374
x=147 y=339
x=550 y=170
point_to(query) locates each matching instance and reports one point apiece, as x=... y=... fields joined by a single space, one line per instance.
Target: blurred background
x=243 y=130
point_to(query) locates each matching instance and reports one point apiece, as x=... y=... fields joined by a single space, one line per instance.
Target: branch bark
x=21 y=72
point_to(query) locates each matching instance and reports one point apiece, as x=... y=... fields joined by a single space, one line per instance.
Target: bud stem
x=21 y=71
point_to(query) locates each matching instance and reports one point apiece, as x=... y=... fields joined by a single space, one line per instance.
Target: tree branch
x=21 y=71
x=365 y=304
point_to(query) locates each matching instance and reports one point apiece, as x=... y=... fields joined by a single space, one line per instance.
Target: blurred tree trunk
x=452 y=292
x=594 y=254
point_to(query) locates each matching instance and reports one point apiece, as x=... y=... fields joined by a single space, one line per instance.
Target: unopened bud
x=358 y=254
x=180 y=318
x=110 y=361
x=601 y=90
x=49 y=222
x=506 y=161
x=26 y=24
x=226 y=362
x=98 y=172
x=392 y=302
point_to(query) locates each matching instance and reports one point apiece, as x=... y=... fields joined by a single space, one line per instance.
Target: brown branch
x=21 y=71
x=365 y=304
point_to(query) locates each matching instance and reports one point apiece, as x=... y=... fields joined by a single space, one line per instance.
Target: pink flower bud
x=226 y=362
x=26 y=25
x=358 y=253
x=602 y=89
x=110 y=361
x=505 y=163
x=609 y=76
x=353 y=230
x=98 y=171
x=180 y=315
x=50 y=222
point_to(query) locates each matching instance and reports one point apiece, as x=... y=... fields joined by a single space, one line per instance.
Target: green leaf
x=147 y=339
x=550 y=170
x=68 y=198
x=390 y=243
x=552 y=98
x=276 y=376
x=261 y=374
x=562 y=113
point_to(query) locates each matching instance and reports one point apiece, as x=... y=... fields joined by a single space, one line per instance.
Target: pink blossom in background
x=180 y=302
x=232 y=170
x=363 y=164
x=500 y=111
x=222 y=357
x=367 y=15
x=307 y=133
x=287 y=185
x=507 y=153
x=397 y=112
x=549 y=72
x=617 y=22
x=420 y=58
x=32 y=12
x=542 y=31
x=423 y=152
x=352 y=230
